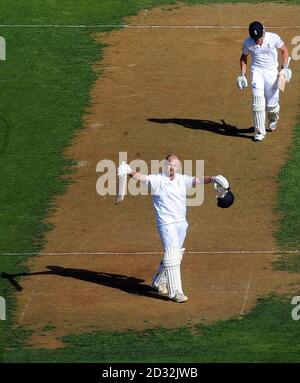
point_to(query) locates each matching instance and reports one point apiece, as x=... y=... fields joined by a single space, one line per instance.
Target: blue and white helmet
x=256 y=30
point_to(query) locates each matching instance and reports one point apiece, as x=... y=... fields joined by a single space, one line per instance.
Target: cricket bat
x=282 y=79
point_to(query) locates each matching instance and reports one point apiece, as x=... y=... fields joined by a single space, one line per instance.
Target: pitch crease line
x=142 y=26
x=156 y=252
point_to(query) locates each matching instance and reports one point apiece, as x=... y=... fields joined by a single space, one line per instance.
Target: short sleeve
x=278 y=42
x=245 y=49
x=188 y=180
x=153 y=181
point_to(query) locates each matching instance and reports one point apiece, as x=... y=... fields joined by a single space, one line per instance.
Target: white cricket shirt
x=263 y=56
x=169 y=197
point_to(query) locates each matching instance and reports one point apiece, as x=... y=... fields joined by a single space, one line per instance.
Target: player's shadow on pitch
x=130 y=285
x=211 y=126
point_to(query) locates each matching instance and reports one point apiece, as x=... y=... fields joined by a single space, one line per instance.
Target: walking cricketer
x=263 y=47
x=169 y=191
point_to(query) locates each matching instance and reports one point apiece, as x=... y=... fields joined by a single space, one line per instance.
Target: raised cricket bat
x=121 y=188
x=282 y=79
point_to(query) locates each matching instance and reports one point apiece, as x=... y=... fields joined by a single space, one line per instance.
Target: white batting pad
x=171 y=260
x=259 y=114
x=273 y=112
x=160 y=276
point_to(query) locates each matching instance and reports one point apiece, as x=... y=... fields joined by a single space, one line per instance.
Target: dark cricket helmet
x=256 y=30
x=226 y=201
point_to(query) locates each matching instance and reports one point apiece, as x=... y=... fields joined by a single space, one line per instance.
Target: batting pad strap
x=258 y=103
x=273 y=109
x=172 y=257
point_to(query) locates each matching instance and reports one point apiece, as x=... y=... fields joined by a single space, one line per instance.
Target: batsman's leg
x=258 y=104
x=273 y=116
x=169 y=236
x=181 y=232
x=272 y=99
x=259 y=116
x=159 y=282
x=172 y=260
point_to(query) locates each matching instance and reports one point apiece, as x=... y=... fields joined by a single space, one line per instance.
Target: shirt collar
x=167 y=176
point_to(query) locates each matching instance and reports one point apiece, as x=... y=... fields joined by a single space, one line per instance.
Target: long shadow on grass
x=211 y=126
x=130 y=285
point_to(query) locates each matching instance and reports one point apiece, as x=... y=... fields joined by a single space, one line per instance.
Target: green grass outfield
x=44 y=91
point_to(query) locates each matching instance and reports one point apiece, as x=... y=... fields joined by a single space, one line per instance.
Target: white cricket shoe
x=179 y=298
x=259 y=137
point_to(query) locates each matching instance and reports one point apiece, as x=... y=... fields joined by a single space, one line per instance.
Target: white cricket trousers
x=263 y=82
x=173 y=234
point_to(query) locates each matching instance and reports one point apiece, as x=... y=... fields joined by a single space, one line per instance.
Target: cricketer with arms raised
x=265 y=83
x=169 y=191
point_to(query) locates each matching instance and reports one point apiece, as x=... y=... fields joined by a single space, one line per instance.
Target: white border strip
x=158 y=252
x=140 y=26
